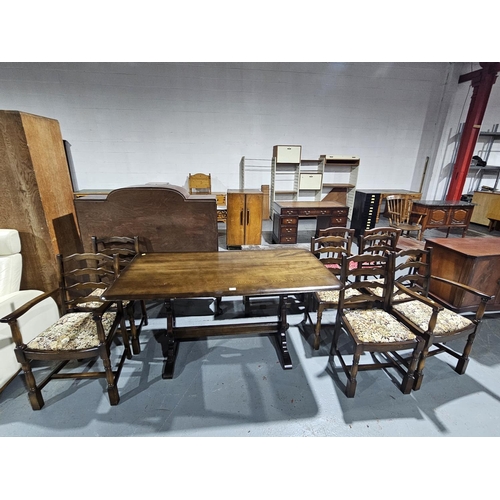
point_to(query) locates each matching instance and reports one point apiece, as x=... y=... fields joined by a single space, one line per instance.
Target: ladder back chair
x=438 y=325
x=365 y=318
x=85 y=330
x=378 y=241
x=126 y=248
x=200 y=183
x=329 y=250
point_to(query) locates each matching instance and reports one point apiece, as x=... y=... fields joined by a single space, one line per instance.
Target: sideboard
x=444 y=214
x=472 y=261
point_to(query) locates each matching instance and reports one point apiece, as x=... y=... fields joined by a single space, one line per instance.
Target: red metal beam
x=482 y=81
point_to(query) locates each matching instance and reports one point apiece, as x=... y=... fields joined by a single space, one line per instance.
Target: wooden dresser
x=286 y=215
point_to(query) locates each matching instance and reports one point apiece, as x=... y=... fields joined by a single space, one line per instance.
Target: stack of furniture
x=202 y=184
x=37 y=194
x=329 y=178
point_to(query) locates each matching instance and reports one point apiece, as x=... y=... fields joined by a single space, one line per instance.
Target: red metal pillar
x=482 y=81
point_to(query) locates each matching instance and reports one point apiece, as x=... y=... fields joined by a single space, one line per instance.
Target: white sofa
x=32 y=323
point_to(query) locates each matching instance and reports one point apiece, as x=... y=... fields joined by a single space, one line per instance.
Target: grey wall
x=132 y=123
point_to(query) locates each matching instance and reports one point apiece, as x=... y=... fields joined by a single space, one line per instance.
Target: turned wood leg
x=464 y=358
x=353 y=373
x=409 y=380
x=114 y=397
x=136 y=347
x=34 y=393
x=317 y=328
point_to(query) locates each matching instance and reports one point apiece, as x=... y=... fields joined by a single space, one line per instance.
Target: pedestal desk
x=286 y=215
x=471 y=261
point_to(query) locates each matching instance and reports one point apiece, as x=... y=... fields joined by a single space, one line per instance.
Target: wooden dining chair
x=378 y=241
x=200 y=183
x=426 y=316
x=329 y=250
x=402 y=216
x=85 y=330
x=126 y=248
x=364 y=317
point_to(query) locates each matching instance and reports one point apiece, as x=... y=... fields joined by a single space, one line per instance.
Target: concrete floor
x=236 y=387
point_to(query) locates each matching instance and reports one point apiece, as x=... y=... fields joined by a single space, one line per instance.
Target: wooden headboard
x=165 y=217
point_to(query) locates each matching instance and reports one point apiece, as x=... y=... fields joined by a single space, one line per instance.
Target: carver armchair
x=438 y=325
x=84 y=331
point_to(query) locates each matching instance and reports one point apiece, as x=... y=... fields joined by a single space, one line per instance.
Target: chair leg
x=136 y=346
x=317 y=328
x=144 y=312
x=409 y=380
x=114 y=397
x=353 y=373
x=464 y=358
x=34 y=394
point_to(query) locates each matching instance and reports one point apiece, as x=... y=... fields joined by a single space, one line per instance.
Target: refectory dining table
x=247 y=273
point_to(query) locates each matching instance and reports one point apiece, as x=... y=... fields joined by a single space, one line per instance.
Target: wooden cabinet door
x=235 y=227
x=437 y=217
x=460 y=216
x=253 y=219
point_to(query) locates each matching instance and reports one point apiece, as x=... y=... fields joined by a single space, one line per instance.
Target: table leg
x=172 y=346
x=283 y=354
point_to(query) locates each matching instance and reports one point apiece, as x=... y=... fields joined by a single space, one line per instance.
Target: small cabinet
x=244 y=217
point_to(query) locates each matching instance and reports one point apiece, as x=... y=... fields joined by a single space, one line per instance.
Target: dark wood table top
x=443 y=203
x=475 y=247
x=221 y=274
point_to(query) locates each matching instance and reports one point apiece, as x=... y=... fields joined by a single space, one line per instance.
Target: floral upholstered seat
x=72 y=332
x=448 y=322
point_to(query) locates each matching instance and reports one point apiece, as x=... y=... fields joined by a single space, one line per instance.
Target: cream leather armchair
x=32 y=323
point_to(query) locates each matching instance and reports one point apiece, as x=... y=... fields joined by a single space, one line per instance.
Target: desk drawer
x=338 y=221
x=285 y=230
x=288 y=238
x=289 y=221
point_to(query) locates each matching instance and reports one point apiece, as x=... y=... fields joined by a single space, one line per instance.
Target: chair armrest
x=485 y=298
x=416 y=296
x=14 y=315
x=467 y=288
x=418 y=217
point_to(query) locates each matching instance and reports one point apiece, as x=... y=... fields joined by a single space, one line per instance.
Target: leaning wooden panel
x=165 y=217
x=36 y=194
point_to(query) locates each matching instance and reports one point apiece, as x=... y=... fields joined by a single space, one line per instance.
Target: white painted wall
x=132 y=123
